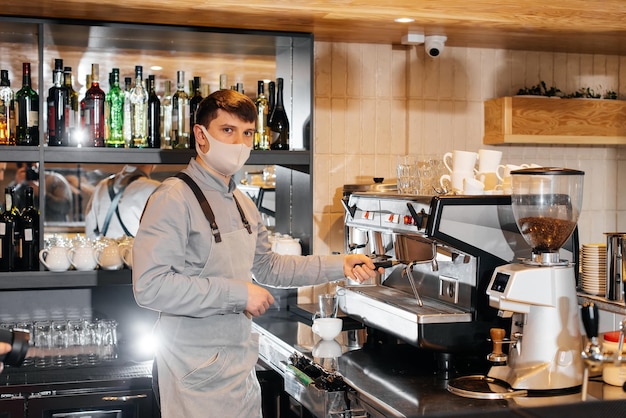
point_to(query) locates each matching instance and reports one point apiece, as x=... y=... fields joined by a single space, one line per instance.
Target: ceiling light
x=404 y=20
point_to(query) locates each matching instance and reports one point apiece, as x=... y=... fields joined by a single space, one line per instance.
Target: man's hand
x=259 y=300
x=360 y=267
x=4 y=348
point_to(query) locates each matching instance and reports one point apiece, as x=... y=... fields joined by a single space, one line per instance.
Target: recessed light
x=156 y=68
x=404 y=20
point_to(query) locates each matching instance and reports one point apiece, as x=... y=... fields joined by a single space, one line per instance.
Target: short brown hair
x=230 y=101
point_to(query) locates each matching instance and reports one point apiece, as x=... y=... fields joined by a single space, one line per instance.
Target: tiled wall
x=374 y=102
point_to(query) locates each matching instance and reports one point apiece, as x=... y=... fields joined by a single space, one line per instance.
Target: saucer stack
x=593 y=279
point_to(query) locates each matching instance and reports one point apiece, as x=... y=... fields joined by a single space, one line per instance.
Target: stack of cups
x=460 y=165
x=503 y=172
x=488 y=162
x=593 y=262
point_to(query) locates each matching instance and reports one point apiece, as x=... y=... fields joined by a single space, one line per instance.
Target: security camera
x=434 y=44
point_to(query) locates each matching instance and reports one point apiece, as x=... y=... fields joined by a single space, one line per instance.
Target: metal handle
x=123 y=398
x=589 y=313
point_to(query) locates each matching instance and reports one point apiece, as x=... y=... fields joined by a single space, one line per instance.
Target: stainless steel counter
x=400 y=380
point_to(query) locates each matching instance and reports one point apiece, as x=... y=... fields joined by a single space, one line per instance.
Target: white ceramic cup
x=458 y=160
x=83 y=258
x=55 y=258
x=109 y=257
x=327 y=328
x=489 y=179
x=504 y=171
x=473 y=186
x=455 y=180
x=126 y=252
x=488 y=160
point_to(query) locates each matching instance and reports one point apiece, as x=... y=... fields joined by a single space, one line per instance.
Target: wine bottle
x=82 y=131
x=166 y=116
x=58 y=112
x=115 y=104
x=154 y=116
x=180 y=113
x=261 y=133
x=139 y=110
x=72 y=105
x=193 y=105
x=28 y=248
x=94 y=110
x=128 y=113
x=280 y=123
x=7 y=118
x=271 y=101
x=223 y=81
x=26 y=111
x=8 y=223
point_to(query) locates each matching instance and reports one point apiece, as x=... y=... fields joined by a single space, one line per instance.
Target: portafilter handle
x=589 y=314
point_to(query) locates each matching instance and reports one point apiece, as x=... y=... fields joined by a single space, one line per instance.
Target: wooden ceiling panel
x=586 y=26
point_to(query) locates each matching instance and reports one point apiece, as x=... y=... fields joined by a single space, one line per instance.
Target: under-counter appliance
x=448 y=248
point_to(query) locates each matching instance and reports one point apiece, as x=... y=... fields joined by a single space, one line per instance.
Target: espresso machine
x=439 y=254
x=538 y=293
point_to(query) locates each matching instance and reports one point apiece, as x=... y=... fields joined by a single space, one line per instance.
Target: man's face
x=227 y=128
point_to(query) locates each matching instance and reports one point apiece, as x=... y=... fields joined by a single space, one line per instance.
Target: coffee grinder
x=539 y=294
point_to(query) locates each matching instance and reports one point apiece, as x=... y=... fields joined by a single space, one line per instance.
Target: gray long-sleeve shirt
x=174 y=241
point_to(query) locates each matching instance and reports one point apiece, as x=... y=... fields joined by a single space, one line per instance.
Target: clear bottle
x=82 y=131
x=180 y=113
x=26 y=111
x=261 y=133
x=8 y=231
x=223 y=81
x=7 y=118
x=154 y=116
x=73 y=107
x=139 y=110
x=93 y=112
x=28 y=247
x=166 y=117
x=193 y=105
x=279 y=121
x=115 y=104
x=128 y=113
x=58 y=112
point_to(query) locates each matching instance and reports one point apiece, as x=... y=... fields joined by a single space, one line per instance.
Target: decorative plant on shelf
x=540 y=89
x=585 y=93
x=610 y=95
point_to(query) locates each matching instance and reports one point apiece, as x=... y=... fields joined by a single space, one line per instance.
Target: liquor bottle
x=73 y=107
x=193 y=105
x=223 y=81
x=154 y=116
x=180 y=113
x=279 y=122
x=107 y=112
x=58 y=112
x=8 y=229
x=7 y=118
x=115 y=104
x=261 y=133
x=26 y=111
x=128 y=113
x=271 y=100
x=28 y=247
x=166 y=116
x=82 y=134
x=139 y=110
x=94 y=110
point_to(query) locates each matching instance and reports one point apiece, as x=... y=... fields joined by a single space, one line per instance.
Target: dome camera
x=434 y=44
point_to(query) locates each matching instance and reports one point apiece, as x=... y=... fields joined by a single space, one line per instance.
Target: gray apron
x=206 y=365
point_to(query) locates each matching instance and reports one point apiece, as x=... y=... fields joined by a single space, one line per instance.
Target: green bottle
x=115 y=104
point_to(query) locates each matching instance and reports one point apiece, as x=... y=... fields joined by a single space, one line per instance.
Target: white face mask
x=226 y=159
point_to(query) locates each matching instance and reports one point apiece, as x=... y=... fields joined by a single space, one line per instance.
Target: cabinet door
x=12 y=408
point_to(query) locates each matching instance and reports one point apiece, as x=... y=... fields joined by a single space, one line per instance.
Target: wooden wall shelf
x=544 y=120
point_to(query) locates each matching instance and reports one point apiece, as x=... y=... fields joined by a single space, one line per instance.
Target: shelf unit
x=544 y=120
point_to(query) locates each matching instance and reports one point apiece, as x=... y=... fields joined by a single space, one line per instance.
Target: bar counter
x=396 y=379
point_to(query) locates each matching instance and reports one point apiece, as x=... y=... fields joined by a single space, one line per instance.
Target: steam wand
x=592 y=355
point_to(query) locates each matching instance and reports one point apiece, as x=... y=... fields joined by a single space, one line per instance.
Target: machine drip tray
x=483 y=387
